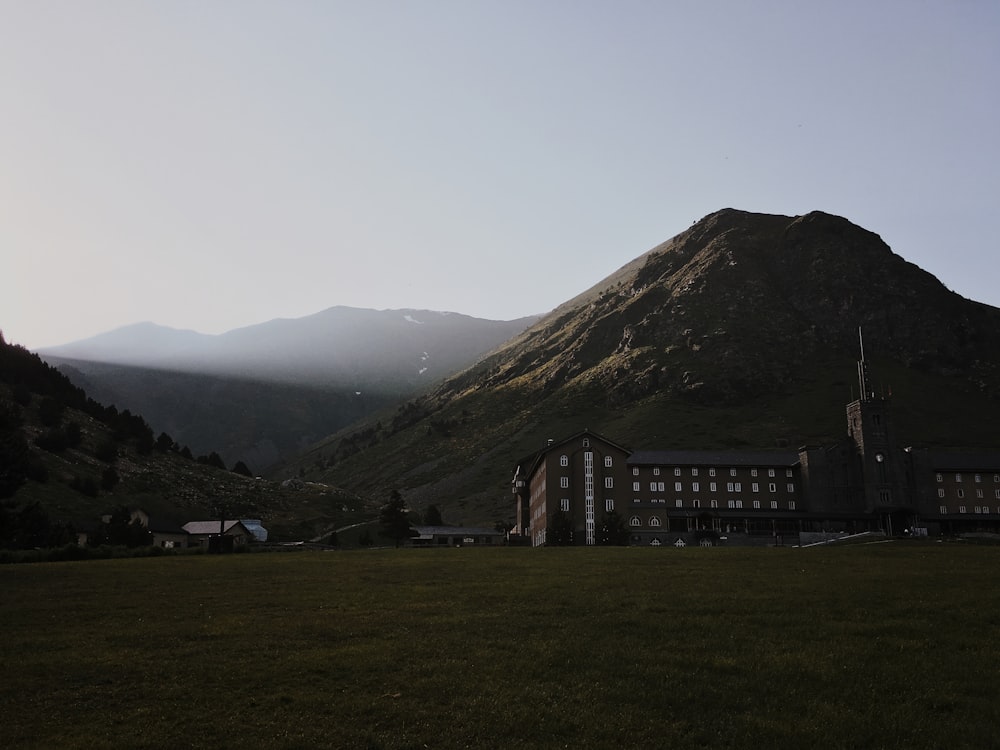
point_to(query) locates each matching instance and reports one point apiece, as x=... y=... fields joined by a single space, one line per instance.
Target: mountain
x=740 y=332
x=66 y=459
x=386 y=350
x=267 y=391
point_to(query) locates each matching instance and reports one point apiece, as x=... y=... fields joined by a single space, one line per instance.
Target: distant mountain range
x=740 y=332
x=388 y=350
x=267 y=391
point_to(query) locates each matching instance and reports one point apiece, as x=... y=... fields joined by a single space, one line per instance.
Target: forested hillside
x=66 y=460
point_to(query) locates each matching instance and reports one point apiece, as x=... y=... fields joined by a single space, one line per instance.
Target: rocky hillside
x=741 y=331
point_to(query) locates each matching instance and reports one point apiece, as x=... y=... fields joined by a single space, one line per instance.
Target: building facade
x=574 y=489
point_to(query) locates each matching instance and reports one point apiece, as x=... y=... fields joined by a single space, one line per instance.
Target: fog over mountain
x=265 y=391
x=394 y=349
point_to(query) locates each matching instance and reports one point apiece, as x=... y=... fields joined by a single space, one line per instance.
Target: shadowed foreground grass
x=890 y=645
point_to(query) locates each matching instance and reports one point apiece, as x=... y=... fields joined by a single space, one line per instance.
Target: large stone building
x=585 y=485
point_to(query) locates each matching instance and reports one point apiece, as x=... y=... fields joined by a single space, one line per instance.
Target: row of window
x=977 y=478
x=960 y=493
x=975 y=509
x=609 y=504
x=655 y=520
x=711 y=472
x=772 y=487
x=609 y=463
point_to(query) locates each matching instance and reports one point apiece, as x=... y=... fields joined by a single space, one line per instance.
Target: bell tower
x=880 y=471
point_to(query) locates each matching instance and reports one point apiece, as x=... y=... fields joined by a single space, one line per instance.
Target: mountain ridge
x=262 y=392
x=740 y=331
x=313 y=344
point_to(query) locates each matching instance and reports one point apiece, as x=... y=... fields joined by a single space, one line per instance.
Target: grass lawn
x=888 y=645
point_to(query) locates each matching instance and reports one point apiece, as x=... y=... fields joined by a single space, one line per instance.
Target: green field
x=887 y=645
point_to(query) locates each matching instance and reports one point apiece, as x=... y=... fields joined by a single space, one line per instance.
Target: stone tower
x=881 y=466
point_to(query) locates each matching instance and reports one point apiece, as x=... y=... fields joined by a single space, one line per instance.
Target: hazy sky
x=214 y=164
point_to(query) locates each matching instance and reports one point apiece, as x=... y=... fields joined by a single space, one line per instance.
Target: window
x=958 y=477
x=635 y=471
x=695 y=486
x=774 y=505
x=609 y=505
x=609 y=483
x=694 y=471
x=753 y=472
x=791 y=505
x=730 y=486
x=696 y=503
x=996 y=477
x=586 y=442
x=635 y=486
x=754 y=487
x=961 y=509
x=961 y=493
x=979 y=478
x=770 y=472
x=678 y=487
x=772 y=487
x=756 y=504
x=564 y=505
x=944 y=509
x=608 y=462
x=712 y=487
x=634 y=521
x=978 y=509
x=660 y=486
x=979 y=494
x=656 y=471
x=788 y=473
x=732 y=503
x=940 y=491
x=564 y=460
x=677 y=471
x=732 y=472
x=564 y=482
x=715 y=503
x=711 y=473
x=654 y=521
x=939 y=477
x=680 y=503
x=739 y=503
x=652 y=486
x=998 y=494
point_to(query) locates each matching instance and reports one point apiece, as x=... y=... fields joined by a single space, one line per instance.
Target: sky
x=212 y=164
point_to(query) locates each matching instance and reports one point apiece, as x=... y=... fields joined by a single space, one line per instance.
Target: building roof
x=965 y=461
x=164 y=526
x=714 y=458
x=426 y=532
x=210 y=527
x=530 y=462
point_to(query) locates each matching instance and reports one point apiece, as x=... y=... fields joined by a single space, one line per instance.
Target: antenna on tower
x=863 y=376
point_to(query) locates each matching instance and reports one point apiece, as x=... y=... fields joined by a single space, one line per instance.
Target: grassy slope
x=467 y=472
x=849 y=647
x=171 y=488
